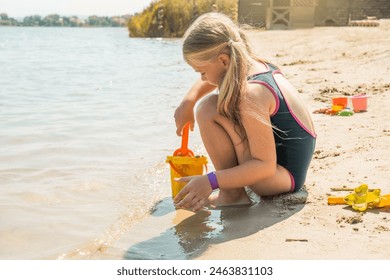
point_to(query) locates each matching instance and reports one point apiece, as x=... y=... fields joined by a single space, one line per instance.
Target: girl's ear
x=225 y=59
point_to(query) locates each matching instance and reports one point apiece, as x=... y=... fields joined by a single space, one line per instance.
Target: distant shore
x=55 y=20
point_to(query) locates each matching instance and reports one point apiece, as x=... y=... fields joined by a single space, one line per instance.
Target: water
x=86 y=121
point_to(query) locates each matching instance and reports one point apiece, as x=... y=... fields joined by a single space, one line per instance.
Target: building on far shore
x=290 y=14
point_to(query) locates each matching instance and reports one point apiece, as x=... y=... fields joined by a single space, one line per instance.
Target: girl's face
x=212 y=72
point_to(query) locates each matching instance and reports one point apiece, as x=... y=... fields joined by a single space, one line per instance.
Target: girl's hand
x=184 y=114
x=195 y=194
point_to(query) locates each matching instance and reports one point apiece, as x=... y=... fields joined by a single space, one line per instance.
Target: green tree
x=34 y=20
x=170 y=18
x=52 y=20
x=5 y=20
x=3 y=16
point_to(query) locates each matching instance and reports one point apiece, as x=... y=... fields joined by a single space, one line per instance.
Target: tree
x=35 y=20
x=52 y=20
x=3 y=16
x=170 y=18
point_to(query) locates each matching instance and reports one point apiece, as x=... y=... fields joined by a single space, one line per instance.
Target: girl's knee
x=207 y=108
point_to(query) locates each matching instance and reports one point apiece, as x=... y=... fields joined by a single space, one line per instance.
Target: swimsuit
x=294 y=142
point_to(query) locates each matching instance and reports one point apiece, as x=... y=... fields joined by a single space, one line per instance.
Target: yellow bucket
x=182 y=167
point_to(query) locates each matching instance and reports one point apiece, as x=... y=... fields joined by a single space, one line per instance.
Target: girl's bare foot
x=236 y=197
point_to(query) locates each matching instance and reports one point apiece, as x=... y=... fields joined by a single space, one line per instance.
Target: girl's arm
x=185 y=111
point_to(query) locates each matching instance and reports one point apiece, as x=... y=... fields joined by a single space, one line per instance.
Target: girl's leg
x=228 y=151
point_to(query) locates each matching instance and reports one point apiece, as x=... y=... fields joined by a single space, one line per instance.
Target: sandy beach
x=322 y=63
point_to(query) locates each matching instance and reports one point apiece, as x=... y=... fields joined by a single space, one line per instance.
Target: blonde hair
x=209 y=36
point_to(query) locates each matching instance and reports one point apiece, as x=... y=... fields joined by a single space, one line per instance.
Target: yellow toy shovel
x=362 y=198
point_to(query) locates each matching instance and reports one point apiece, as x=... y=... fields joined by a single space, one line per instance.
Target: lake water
x=86 y=122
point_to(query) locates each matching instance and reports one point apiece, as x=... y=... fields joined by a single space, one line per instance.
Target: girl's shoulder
x=258 y=96
x=259 y=91
x=259 y=68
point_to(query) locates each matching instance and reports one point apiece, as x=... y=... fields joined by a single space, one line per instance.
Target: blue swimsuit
x=294 y=143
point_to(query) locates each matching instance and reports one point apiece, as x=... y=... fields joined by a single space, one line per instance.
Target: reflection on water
x=192 y=233
x=182 y=241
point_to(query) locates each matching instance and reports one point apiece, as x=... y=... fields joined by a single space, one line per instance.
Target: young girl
x=256 y=130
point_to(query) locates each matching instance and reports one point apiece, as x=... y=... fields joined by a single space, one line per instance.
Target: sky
x=22 y=8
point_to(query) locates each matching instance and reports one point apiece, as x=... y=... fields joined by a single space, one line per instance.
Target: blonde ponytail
x=233 y=85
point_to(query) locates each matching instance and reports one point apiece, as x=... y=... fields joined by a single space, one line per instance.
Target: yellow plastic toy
x=362 y=198
x=183 y=163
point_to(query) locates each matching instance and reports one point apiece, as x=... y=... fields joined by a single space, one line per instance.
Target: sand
x=322 y=63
